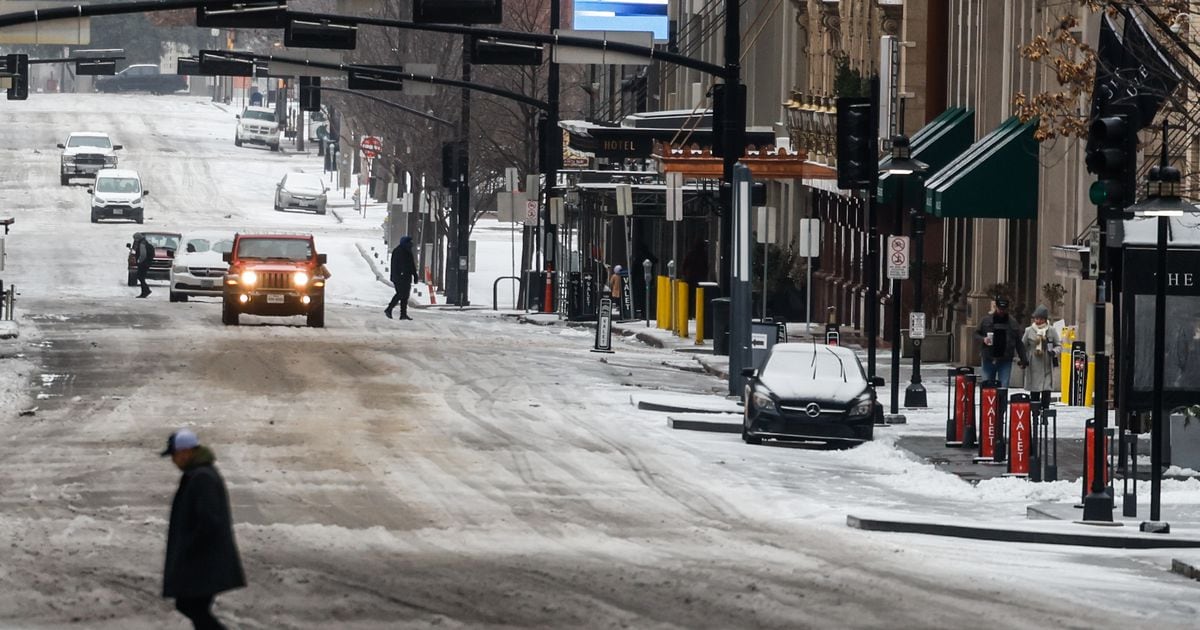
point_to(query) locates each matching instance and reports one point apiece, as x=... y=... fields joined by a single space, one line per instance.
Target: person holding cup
x=1000 y=340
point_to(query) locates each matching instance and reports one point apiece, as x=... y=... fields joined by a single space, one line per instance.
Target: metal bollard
x=1129 y=500
x=699 y=316
x=681 y=309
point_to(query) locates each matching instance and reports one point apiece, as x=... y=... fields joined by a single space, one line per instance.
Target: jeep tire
x=65 y=180
x=237 y=141
x=316 y=314
x=229 y=313
x=133 y=278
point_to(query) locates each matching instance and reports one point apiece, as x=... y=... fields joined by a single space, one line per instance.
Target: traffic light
x=454 y=163
x=1112 y=157
x=458 y=11
x=18 y=66
x=857 y=143
x=310 y=94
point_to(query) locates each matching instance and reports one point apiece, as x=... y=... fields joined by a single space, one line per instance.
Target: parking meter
x=646 y=275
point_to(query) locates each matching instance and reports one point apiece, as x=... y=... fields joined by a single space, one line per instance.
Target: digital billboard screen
x=622 y=15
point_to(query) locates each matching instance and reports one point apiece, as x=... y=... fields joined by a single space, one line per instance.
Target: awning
x=634 y=137
x=996 y=178
x=936 y=144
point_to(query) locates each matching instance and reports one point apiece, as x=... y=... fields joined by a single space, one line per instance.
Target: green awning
x=936 y=144
x=996 y=178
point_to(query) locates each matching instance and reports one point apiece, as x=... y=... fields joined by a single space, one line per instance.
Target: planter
x=935 y=347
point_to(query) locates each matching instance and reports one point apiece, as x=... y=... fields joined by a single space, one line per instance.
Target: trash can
x=719 y=316
x=711 y=291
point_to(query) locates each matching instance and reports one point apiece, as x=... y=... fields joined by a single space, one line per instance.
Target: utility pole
x=462 y=162
x=551 y=148
x=733 y=140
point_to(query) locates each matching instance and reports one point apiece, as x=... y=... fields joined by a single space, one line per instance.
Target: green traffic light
x=1098 y=193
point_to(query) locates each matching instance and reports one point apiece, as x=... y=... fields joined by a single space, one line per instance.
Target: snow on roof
x=1184 y=230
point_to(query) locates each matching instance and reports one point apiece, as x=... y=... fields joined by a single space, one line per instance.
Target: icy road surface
x=453 y=471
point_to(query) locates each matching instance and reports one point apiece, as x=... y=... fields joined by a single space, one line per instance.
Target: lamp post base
x=1156 y=527
x=1098 y=506
x=914 y=396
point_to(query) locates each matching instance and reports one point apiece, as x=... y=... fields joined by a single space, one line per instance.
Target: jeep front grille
x=274 y=280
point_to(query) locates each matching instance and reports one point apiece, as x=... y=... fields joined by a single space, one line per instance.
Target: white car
x=199 y=266
x=117 y=194
x=86 y=153
x=301 y=190
x=257 y=125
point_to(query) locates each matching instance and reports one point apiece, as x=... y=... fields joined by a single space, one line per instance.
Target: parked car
x=807 y=391
x=86 y=153
x=199 y=267
x=165 y=244
x=142 y=78
x=117 y=194
x=306 y=191
x=274 y=274
x=257 y=125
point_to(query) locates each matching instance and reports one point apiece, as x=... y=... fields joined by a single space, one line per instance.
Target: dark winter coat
x=145 y=253
x=1006 y=338
x=202 y=555
x=404 y=266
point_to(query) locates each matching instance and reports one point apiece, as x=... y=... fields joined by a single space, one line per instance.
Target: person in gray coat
x=1042 y=346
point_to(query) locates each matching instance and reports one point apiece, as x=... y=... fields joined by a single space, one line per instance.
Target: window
x=101 y=142
x=118 y=185
x=824 y=366
x=167 y=241
x=257 y=115
x=284 y=248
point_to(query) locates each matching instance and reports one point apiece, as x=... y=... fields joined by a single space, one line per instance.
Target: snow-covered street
x=458 y=470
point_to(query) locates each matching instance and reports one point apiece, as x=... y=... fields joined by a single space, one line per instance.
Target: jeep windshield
x=253 y=115
x=118 y=185
x=292 y=249
x=165 y=241
x=100 y=142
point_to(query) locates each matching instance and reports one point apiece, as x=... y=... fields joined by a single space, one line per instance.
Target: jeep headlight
x=300 y=279
x=762 y=400
x=249 y=277
x=861 y=407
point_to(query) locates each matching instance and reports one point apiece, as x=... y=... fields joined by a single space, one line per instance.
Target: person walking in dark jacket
x=999 y=340
x=143 y=253
x=202 y=556
x=404 y=273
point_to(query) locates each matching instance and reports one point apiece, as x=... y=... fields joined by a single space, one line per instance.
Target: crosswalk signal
x=857 y=143
x=310 y=94
x=18 y=66
x=1112 y=157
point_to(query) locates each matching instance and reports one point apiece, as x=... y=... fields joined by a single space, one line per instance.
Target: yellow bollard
x=681 y=309
x=699 y=316
x=1064 y=373
x=1091 y=385
x=663 y=307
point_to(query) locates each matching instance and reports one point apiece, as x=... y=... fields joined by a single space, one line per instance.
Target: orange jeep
x=274 y=274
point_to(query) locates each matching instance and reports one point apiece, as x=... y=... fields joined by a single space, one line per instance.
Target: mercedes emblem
x=813 y=410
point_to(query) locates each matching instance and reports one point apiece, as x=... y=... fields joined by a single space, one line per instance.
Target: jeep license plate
x=274 y=299
x=118 y=211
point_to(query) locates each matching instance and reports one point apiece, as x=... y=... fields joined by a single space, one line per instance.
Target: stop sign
x=371 y=146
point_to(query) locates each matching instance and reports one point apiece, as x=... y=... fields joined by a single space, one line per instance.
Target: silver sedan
x=304 y=191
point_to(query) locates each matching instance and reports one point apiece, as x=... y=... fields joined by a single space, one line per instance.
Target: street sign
x=809 y=242
x=371 y=147
x=531 y=213
x=916 y=325
x=897 y=258
x=674 y=196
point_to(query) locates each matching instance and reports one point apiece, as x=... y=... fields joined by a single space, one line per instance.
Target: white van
x=117 y=194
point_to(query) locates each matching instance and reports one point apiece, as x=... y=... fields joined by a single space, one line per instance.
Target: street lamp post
x=1162 y=202
x=914 y=394
x=901 y=164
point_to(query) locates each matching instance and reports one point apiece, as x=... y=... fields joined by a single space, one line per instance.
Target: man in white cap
x=202 y=556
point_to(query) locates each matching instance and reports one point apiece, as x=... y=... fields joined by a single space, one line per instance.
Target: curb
x=380 y=277
x=646 y=405
x=1020 y=536
x=710 y=426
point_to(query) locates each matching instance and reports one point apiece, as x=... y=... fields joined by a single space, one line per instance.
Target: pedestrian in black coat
x=404 y=273
x=143 y=252
x=202 y=556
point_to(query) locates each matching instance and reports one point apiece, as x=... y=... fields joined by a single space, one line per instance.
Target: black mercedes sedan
x=807 y=391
